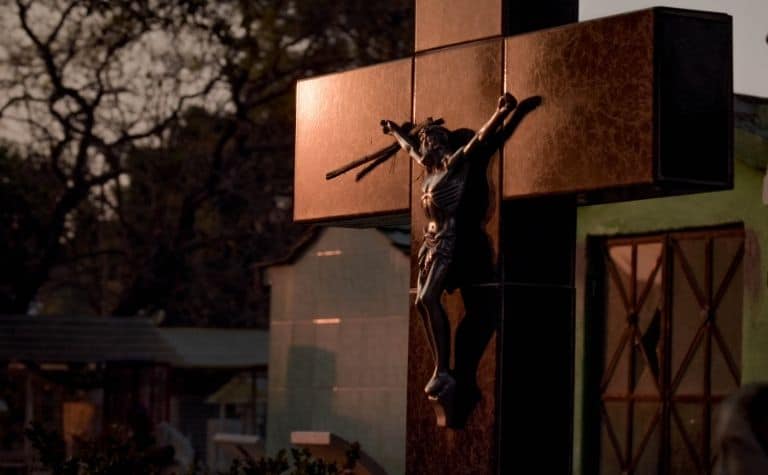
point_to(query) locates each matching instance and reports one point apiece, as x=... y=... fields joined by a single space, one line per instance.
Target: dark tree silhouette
x=155 y=138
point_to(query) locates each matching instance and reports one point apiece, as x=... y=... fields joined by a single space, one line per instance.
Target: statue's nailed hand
x=388 y=127
x=507 y=102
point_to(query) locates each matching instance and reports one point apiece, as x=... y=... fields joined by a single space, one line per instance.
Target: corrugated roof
x=82 y=340
x=218 y=348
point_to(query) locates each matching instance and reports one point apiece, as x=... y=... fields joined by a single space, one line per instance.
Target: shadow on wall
x=311 y=403
x=315 y=404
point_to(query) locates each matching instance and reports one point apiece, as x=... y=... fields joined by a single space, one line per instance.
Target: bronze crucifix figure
x=446 y=169
x=443 y=186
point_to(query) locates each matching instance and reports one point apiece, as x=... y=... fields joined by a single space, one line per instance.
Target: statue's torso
x=440 y=195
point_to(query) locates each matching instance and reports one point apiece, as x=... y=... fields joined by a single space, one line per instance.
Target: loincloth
x=436 y=245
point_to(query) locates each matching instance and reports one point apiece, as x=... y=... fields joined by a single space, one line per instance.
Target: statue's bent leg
x=428 y=300
x=421 y=308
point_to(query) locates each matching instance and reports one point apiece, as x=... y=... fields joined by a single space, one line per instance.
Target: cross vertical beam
x=536 y=334
x=461 y=85
x=512 y=326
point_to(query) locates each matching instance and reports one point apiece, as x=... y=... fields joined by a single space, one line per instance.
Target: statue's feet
x=441 y=392
x=440 y=385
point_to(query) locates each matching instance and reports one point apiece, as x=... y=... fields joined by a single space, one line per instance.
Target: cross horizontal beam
x=337 y=121
x=633 y=106
x=627 y=107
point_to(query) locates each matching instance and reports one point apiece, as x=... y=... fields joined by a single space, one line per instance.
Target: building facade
x=339 y=342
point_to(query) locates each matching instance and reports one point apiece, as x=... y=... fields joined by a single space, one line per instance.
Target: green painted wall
x=742 y=204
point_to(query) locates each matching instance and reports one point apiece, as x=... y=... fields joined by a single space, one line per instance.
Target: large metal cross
x=627 y=107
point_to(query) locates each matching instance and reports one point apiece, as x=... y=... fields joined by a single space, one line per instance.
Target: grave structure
x=627 y=107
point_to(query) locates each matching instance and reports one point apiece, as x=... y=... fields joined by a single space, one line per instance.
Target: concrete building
x=339 y=341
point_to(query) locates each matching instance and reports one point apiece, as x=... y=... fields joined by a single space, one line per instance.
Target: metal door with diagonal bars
x=671 y=345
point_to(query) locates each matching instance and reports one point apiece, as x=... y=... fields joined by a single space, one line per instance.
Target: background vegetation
x=147 y=146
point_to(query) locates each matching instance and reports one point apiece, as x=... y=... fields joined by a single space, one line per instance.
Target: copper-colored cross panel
x=631 y=106
x=462 y=85
x=337 y=121
x=594 y=126
x=440 y=23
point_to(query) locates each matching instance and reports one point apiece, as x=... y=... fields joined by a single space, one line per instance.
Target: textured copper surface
x=594 y=126
x=462 y=85
x=441 y=22
x=337 y=121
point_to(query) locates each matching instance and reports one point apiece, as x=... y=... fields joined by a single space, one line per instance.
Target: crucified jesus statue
x=442 y=189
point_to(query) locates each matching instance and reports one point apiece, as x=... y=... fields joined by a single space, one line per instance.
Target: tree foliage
x=153 y=145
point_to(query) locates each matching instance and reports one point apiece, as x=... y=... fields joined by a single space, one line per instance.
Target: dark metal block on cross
x=627 y=107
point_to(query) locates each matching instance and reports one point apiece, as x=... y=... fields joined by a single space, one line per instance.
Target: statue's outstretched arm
x=507 y=104
x=405 y=142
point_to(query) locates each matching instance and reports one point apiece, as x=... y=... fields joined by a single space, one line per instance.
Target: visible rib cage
x=441 y=196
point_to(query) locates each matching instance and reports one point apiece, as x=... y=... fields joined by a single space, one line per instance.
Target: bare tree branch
x=56 y=29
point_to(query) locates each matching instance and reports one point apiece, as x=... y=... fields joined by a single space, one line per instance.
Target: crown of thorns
x=434 y=131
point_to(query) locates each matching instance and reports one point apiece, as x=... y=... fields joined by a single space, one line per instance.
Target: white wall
x=750 y=27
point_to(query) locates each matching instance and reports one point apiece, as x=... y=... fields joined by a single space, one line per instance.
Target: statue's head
x=434 y=144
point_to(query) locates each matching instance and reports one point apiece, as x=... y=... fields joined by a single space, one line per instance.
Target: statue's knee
x=426 y=303
x=419 y=302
